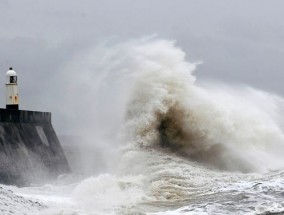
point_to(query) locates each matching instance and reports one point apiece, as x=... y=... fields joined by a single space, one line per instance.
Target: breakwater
x=30 y=151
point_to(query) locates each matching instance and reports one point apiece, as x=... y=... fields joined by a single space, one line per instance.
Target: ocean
x=163 y=142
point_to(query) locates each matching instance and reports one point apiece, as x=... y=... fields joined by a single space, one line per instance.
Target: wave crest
x=233 y=128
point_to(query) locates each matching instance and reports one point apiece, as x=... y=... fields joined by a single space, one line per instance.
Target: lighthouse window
x=13 y=79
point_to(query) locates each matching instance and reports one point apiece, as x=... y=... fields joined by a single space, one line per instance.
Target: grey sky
x=238 y=41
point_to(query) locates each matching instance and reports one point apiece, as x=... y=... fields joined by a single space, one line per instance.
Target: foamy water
x=171 y=145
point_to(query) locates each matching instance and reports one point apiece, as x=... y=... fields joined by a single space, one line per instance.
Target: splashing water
x=184 y=147
x=229 y=128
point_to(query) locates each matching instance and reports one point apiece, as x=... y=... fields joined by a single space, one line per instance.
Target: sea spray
x=236 y=128
x=175 y=137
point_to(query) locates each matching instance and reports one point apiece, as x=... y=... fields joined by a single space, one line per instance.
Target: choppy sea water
x=167 y=185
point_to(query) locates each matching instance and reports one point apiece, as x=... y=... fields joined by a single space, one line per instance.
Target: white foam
x=106 y=193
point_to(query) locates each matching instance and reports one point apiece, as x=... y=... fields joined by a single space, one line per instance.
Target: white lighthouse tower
x=12 y=97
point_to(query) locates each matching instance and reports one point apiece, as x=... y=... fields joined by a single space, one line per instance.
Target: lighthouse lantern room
x=12 y=97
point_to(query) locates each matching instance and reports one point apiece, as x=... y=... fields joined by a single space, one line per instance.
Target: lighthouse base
x=12 y=107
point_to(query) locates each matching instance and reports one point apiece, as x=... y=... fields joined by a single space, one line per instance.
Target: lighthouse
x=30 y=152
x=12 y=97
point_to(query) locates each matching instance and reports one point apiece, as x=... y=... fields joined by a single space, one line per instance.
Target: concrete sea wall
x=30 y=151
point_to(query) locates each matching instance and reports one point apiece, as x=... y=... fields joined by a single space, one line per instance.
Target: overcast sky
x=238 y=41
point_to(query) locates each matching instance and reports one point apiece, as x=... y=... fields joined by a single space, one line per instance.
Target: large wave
x=232 y=128
x=174 y=128
x=148 y=87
